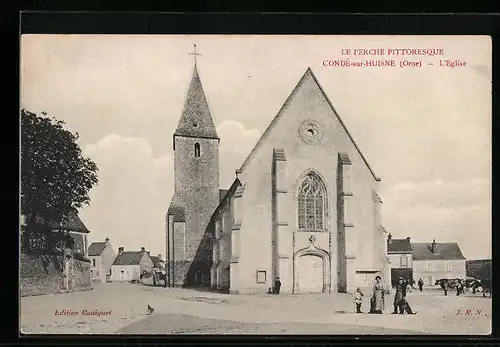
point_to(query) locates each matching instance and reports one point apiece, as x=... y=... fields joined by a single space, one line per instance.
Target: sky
x=425 y=131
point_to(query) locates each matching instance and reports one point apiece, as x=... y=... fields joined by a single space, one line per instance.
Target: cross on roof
x=194 y=53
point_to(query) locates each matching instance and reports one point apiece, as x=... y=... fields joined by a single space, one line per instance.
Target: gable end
x=278 y=115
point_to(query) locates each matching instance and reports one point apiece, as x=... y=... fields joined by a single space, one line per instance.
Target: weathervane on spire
x=195 y=54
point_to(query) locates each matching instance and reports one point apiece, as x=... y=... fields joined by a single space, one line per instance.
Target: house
x=73 y=225
x=400 y=255
x=433 y=261
x=128 y=266
x=304 y=205
x=101 y=255
x=158 y=262
x=61 y=268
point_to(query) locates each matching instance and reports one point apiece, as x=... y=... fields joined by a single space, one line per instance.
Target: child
x=358 y=299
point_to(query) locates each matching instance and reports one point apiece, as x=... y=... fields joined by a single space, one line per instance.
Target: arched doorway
x=311 y=270
x=310 y=274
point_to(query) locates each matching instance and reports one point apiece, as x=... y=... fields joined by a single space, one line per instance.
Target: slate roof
x=222 y=193
x=72 y=222
x=399 y=246
x=128 y=258
x=96 y=248
x=196 y=120
x=443 y=251
x=155 y=260
x=227 y=196
x=177 y=210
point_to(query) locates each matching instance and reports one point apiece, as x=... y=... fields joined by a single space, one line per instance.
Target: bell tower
x=196 y=190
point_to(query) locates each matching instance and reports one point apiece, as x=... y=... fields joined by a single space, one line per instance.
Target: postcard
x=255 y=184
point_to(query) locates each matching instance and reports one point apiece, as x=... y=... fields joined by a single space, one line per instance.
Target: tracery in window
x=311 y=203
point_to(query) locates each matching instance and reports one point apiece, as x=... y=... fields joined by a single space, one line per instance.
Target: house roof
x=443 y=251
x=156 y=260
x=96 y=248
x=399 y=246
x=196 y=120
x=70 y=222
x=229 y=193
x=177 y=210
x=128 y=258
x=222 y=193
x=307 y=76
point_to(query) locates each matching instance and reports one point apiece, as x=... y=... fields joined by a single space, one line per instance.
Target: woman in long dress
x=378 y=295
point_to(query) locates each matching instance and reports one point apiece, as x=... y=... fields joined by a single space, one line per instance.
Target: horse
x=473 y=283
x=483 y=285
x=447 y=284
x=486 y=285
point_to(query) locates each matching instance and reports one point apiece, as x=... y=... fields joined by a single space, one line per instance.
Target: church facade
x=304 y=206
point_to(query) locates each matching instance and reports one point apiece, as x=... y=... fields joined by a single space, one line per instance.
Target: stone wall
x=44 y=274
x=185 y=272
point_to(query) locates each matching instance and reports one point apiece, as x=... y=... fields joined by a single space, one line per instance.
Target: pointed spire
x=196 y=119
x=194 y=54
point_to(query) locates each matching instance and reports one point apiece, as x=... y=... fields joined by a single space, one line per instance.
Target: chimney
x=408 y=238
x=433 y=247
x=106 y=240
x=389 y=239
x=143 y=249
x=120 y=250
x=159 y=256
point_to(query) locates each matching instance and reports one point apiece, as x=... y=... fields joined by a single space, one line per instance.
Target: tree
x=55 y=176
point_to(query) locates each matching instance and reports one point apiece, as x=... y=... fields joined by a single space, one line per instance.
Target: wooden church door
x=310 y=274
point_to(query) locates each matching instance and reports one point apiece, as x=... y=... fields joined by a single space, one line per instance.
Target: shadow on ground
x=186 y=324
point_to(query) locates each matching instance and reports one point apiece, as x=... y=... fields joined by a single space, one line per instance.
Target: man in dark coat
x=420 y=284
x=277 y=285
x=400 y=294
x=444 y=285
x=459 y=287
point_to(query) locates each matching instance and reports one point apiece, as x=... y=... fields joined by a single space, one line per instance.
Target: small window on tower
x=196 y=149
x=195 y=124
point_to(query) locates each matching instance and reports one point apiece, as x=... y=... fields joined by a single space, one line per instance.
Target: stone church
x=303 y=207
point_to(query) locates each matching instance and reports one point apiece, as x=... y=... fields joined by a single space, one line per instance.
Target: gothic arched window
x=312 y=203
x=196 y=149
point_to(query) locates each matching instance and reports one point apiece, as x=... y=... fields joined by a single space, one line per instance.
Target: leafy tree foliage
x=55 y=177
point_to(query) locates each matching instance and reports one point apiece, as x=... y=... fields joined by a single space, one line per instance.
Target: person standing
x=277 y=285
x=408 y=286
x=458 y=286
x=462 y=286
x=420 y=284
x=358 y=300
x=398 y=297
x=378 y=295
x=444 y=285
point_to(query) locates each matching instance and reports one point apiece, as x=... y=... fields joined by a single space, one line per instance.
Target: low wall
x=44 y=274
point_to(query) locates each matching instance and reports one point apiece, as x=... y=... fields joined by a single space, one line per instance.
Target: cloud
x=128 y=205
x=442 y=210
x=417 y=127
x=135 y=187
x=236 y=143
